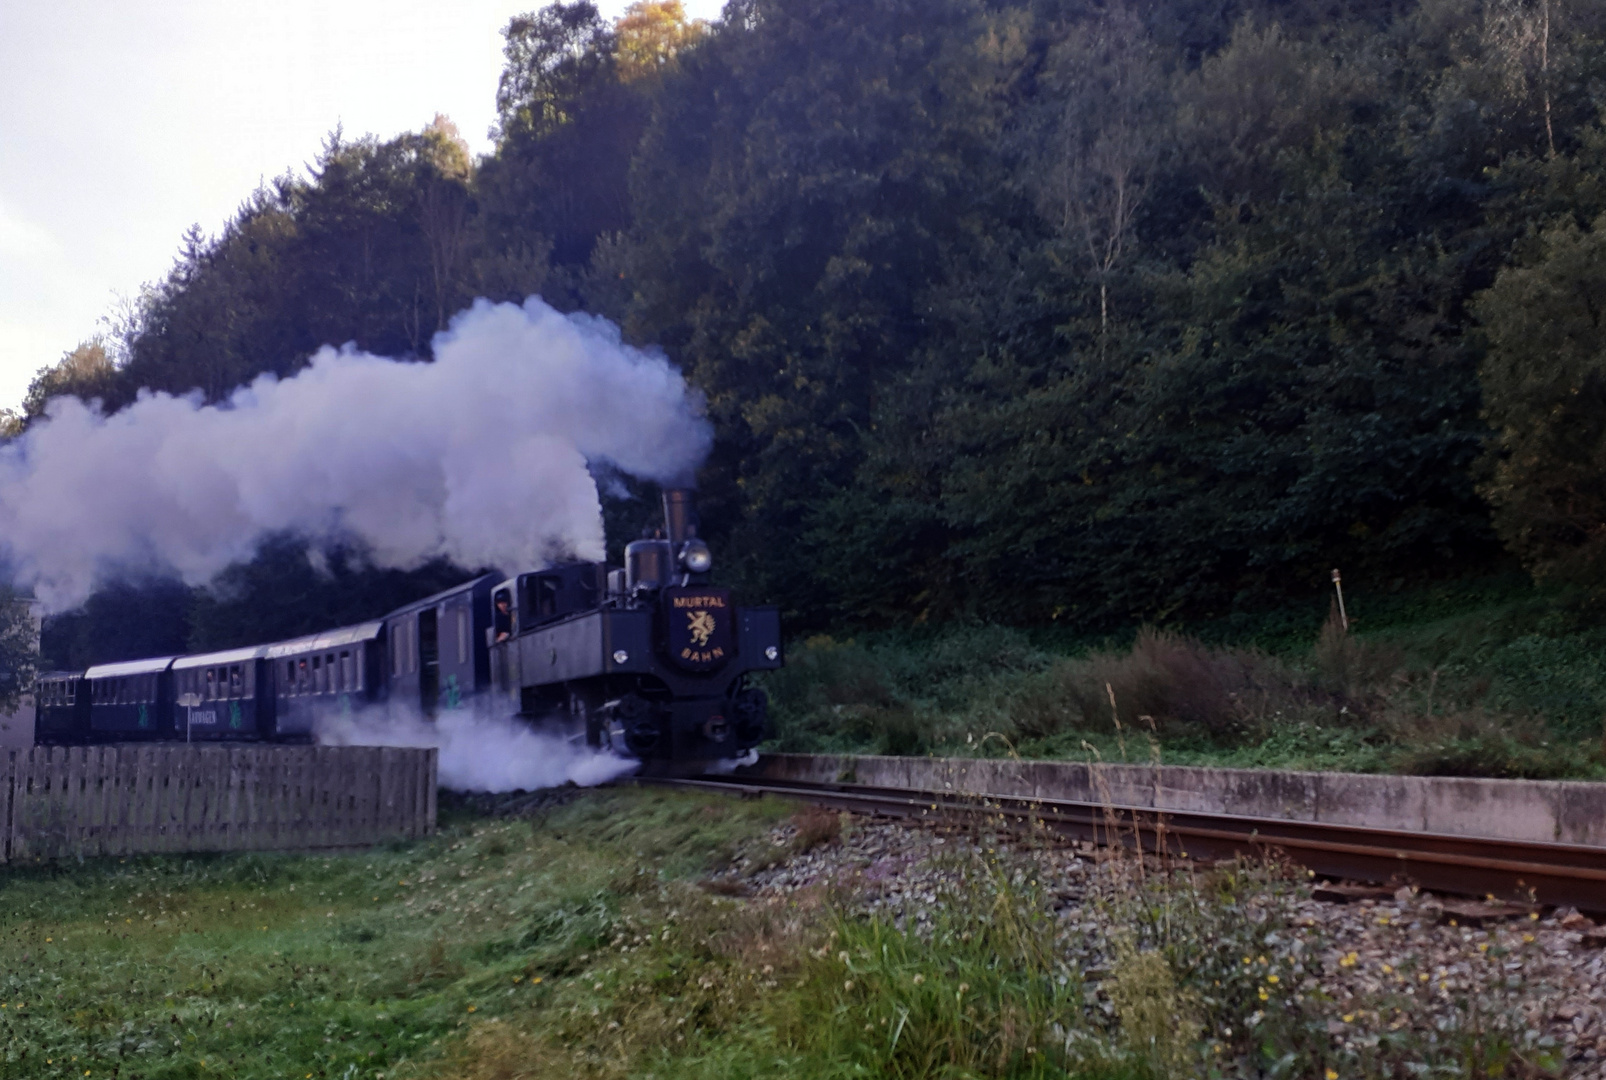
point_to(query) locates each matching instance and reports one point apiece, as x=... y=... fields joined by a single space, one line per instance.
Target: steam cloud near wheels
x=481 y=456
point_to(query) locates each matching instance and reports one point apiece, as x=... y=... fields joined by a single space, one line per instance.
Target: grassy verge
x=588 y=942
x=1476 y=679
x=324 y=966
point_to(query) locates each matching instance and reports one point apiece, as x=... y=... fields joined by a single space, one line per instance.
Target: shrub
x=1165 y=682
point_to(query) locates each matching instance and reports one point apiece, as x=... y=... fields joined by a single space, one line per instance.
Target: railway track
x=1550 y=874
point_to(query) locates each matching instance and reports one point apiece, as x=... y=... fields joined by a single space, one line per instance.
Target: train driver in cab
x=503 y=615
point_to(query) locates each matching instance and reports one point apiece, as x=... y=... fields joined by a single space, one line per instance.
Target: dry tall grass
x=1166 y=683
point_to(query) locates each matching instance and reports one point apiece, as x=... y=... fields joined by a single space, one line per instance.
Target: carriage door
x=429 y=660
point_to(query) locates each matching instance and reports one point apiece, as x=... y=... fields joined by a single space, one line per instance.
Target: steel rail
x=1546 y=873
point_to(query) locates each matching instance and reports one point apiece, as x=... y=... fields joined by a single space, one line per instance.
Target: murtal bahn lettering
x=699 y=601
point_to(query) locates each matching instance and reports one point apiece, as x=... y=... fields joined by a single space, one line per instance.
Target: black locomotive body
x=650 y=659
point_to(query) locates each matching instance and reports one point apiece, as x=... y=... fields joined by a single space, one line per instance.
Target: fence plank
x=8 y=779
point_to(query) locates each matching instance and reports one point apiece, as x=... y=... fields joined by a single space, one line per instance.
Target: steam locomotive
x=650 y=659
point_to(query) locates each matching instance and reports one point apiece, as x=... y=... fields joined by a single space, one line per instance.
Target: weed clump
x=1159 y=1021
x=816 y=825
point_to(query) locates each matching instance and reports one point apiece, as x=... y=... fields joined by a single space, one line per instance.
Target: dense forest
x=1021 y=310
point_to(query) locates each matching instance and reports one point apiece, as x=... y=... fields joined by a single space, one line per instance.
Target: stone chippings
x=1387 y=964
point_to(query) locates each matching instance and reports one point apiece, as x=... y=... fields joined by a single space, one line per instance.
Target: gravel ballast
x=1379 y=965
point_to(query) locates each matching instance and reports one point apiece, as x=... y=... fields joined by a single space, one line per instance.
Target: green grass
x=582 y=943
x=1484 y=677
x=337 y=966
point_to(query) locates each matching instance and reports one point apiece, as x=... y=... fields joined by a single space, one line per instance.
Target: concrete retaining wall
x=1571 y=812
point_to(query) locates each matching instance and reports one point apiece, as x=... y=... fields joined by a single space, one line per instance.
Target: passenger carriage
x=438 y=652
x=223 y=695
x=62 y=708
x=130 y=700
x=332 y=673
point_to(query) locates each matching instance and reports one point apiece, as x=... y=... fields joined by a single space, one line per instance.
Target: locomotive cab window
x=544 y=593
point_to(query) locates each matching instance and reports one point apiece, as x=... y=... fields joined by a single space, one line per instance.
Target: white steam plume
x=480 y=457
x=477 y=752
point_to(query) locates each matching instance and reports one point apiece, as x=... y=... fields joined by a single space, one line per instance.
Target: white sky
x=123 y=122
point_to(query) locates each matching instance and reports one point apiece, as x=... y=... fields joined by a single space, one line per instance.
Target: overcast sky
x=123 y=122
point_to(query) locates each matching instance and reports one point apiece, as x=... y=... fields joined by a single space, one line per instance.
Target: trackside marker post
x=189 y=701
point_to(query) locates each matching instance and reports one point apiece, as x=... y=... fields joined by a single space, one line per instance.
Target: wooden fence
x=82 y=801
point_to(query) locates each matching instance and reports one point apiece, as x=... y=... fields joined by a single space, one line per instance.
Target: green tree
x=803 y=195
x=1544 y=384
x=19 y=648
x=568 y=123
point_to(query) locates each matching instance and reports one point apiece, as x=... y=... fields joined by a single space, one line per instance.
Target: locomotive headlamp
x=620 y=656
x=695 y=556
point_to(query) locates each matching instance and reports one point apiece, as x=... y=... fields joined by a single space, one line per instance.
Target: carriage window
x=317 y=675
x=236 y=681
x=345 y=670
x=462 y=635
x=356 y=670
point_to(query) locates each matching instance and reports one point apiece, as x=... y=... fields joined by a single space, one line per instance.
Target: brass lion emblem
x=700 y=624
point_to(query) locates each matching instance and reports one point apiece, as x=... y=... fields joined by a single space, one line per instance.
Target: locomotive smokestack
x=680 y=517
